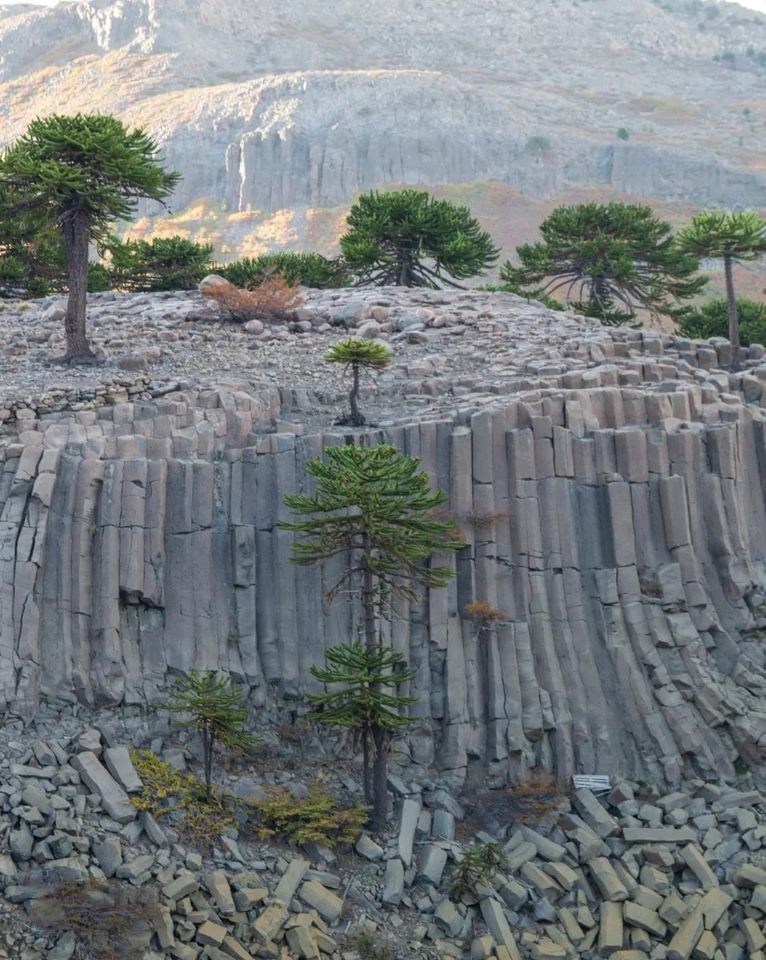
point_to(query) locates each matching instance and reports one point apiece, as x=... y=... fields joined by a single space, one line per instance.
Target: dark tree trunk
x=380 y=781
x=208 y=739
x=368 y=598
x=405 y=270
x=357 y=420
x=731 y=304
x=367 y=768
x=76 y=239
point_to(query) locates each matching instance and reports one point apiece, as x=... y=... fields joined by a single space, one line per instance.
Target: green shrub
x=99 y=278
x=539 y=144
x=712 y=320
x=307 y=269
x=164 y=263
x=476 y=868
x=623 y=134
x=318 y=818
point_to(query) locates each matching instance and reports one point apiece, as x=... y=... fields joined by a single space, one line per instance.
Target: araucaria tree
x=607 y=260
x=358 y=355
x=411 y=239
x=731 y=237
x=376 y=506
x=214 y=707
x=81 y=174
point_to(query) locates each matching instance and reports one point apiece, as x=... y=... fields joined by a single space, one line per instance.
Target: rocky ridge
x=609 y=484
x=301 y=107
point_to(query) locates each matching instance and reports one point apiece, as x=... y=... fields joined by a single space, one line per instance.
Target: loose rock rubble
x=635 y=874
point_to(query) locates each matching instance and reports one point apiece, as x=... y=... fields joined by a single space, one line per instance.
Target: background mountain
x=279 y=113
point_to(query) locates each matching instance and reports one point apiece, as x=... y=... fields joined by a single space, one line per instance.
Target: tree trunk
x=731 y=303
x=357 y=420
x=380 y=781
x=208 y=740
x=368 y=598
x=366 y=768
x=404 y=271
x=76 y=238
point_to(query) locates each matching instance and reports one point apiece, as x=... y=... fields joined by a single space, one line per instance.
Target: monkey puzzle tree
x=731 y=237
x=609 y=260
x=81 y=174
x=358 y=355
x=374 y=505
x=214 y=705
x=410 y=238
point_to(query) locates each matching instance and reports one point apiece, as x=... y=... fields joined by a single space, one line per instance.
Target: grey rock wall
x=622 y=531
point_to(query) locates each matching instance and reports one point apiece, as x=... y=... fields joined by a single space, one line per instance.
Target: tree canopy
x=411 y=239
x=732 y=237
x=357 y=355
x=607 y=260
x=81 y=174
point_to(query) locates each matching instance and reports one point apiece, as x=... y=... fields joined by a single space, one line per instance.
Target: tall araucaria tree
x=376 y=506
x=410 y=239
x=607 y=260
x=731 y=237
x=81 y=174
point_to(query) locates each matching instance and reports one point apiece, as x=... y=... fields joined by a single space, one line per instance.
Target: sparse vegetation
x=484 y=613
x=109 y=921
x=409 y=238
x=476 y=867
x=367 y=945
x=213 y=705
x=535 y=797
x=623 y=133
x=196 y=814
x=712 y=320
x=539 y=144
x=317 y=818
x=358 y=355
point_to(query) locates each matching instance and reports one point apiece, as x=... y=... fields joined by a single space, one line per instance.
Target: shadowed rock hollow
x=611 y=491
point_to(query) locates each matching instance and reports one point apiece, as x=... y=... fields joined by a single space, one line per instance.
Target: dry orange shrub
x=482 y=612
x=273 y=299
x=535 y=797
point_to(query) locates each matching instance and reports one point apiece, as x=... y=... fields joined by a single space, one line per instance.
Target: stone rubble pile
x=634 y=875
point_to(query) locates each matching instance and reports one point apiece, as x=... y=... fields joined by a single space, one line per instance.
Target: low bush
x=484 y=613
x=273 y=300
x=318 y=818
x=180 y=800
x=305 y=269
x=476 y=868
x=712 y=320
x=164 y=263
x=108 y=921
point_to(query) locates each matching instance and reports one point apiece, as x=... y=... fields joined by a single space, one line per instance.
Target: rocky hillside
x=277 y=119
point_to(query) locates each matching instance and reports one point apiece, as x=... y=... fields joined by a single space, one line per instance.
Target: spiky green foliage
x=712 y=320
x=214 y=706
x=608 y=261
x=364 y=702
x=376 y=502
x=732 y=237
x=476 y=867
x=358 y=355
x=163 y=263
x=368 y=702
x=81 y=174
x=376 y=505
x=307 y=269
x=408 y=237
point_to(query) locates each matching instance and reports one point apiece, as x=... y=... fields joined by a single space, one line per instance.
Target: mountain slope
x=299 y=105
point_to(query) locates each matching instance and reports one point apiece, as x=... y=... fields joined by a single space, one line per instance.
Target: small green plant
x=109 y=921
x=181 y=800
x=318 y=818
x=214 y=705
x=741 y=768
x=367 y=945
x=476 y=868
x=539 y=144
x=623 y=134
x=358 y=355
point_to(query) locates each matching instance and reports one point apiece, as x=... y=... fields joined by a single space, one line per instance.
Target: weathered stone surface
x=324 y=901
x=113 y=798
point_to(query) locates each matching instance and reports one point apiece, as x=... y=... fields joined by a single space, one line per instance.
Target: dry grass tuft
x=274 y=299
x=535 y=797
x=484 y=613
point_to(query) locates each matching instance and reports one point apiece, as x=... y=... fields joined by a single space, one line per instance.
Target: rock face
x=614 y=514
x=303 y=105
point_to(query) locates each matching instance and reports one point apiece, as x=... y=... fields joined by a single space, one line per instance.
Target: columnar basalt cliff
x=616 y=514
